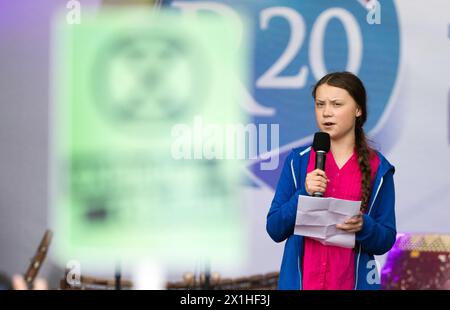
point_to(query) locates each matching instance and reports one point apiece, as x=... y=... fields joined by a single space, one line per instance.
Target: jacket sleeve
x=281 y=217
x=379 y=231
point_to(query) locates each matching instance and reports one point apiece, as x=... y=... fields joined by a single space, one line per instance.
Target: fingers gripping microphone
x=321 y=146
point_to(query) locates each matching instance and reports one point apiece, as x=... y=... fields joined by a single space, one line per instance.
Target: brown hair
x=354 y=86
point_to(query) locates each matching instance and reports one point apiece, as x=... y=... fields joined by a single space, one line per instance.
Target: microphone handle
x=320 y=164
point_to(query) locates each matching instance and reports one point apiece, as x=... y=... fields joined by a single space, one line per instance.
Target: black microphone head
x=321 y=142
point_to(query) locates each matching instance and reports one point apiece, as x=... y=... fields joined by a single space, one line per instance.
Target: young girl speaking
x=353 y=171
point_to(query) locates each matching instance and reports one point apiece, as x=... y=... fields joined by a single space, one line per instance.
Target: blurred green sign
x=128 y=87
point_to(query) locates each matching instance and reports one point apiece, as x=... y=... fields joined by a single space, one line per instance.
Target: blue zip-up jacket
x=376 y=237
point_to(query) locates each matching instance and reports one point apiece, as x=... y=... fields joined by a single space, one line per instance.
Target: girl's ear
x=358 y=112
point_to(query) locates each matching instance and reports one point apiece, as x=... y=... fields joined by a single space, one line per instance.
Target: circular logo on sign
x=148 y=79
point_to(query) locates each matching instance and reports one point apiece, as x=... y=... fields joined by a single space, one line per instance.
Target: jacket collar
x=384 y=167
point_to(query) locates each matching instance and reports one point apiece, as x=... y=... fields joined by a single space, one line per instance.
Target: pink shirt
x=328 y=267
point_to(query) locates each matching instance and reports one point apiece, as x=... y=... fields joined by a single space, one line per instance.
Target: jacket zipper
x=299 y=273
x=359 y=251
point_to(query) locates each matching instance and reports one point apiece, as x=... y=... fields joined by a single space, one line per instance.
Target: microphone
x=321 y=145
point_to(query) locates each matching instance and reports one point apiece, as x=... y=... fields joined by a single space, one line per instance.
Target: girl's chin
x=333 y=134
x=330 y=131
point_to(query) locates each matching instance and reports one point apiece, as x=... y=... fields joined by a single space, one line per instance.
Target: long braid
x=362 y=150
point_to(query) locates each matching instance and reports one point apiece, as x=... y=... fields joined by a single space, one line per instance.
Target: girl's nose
x=327 y=110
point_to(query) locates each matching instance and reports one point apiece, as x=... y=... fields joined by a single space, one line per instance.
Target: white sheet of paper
x=317 y=219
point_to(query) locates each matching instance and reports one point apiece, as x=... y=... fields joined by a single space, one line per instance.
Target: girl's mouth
x=328 y=124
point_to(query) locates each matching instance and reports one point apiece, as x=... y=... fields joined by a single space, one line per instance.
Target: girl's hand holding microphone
x=316 y=181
